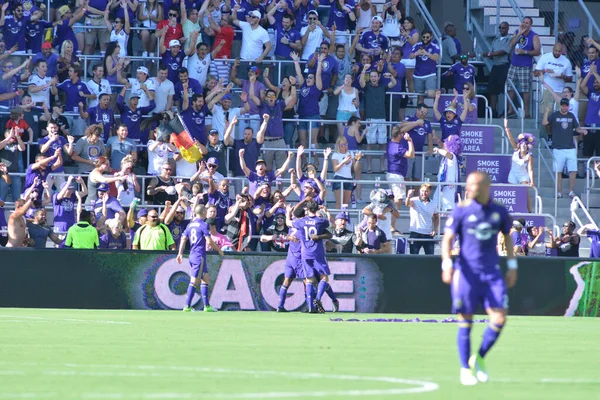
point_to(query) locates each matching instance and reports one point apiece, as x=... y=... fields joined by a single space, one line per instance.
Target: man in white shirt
x=424 y=219
x=312 y=35
x=256 y=43
x=198 y=63
x=98 y=85
x=222 y=113
x=556 y=69
x=135 y=84
x=164 y=90
x=40 y=85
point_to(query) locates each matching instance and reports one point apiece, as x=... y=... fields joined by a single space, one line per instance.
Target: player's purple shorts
x=198 y=267
x=315 y=267
x=293 y=268
x=469 y=290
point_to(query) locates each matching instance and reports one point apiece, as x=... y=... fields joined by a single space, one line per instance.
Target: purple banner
x=513 y=197
x=446 y=100
x=497 y=167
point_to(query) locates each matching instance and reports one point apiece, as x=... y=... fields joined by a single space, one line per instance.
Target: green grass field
x=82 y=354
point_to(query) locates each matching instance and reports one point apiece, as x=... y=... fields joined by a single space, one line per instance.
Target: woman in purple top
x=339 y=12
x=112 y=63
x=409 y=37
x=308 y=102
x=65 y=203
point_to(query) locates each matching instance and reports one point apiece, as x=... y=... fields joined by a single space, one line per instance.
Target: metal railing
x=520 y=111
x=576 y=204
x=590 y=179
x=543 y=146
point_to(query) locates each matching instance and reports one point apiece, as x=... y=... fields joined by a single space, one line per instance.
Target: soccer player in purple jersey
x=293 y=266
x=313 y=230
x=198 y=233
x=475 y=277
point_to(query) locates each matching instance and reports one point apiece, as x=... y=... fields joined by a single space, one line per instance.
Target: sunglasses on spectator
x=180 y=212
x=153 y=216
x=253 y=16
x=466 y=88
x=166 y=169
x=312 y=19
x=172 y=15
x=118 y=21
x=9 y=66
x=211 y=166
x=426 y=37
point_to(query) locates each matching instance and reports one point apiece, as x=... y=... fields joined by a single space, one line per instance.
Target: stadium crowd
x=231 y=72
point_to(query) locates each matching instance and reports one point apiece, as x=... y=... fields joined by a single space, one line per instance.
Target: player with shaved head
x=475 y=277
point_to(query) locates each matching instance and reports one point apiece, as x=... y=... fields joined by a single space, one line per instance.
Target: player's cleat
x=281 y=309
x=478 y=365
x=336 y=306
x=188 y=309
x=467 y=377
x=209 y=309
x=319 y=306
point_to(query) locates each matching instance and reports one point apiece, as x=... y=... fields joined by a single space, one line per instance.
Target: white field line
x=13 y=318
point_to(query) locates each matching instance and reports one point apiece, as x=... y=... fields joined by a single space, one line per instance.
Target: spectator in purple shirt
x=516 y=234
x=400 y=148
x=426 y=54
x=450 y=122
x=100 y=114
x=65 y=201
x=374 y=42
x=260 y=175
x=64 y=25
x=593 y=234
x=218 y=195
x=371 y=239
x=107 y=205
x=250 y=85
x=14 y=26
x=287 y=38
x=115 y=238
x=462 y=72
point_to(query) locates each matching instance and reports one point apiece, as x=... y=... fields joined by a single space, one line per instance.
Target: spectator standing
x=48 y=146
x=240 y=222
x=223 y=113
x=462 y=72
x=193 y=86
x=373 y=41
x=190 y=23
x=164 y=90
x=175 y=219
x=174 y=30
x=10 y=92
x=119 y=30
x=287 y=39
x=10 y=152
x=64 y=203
x=223 y=32
x=50 y=58
x=535 y=245
x=98 y=85
x=329 y=71
x=97 y=177
x=343 y=239
x=347 y=104
x=83 y=235
x=591 y=141
x=365 y=12
x=194 y=115
x=375 y=91
x=274 y=109
x=40 y=85
x=159 y=152
x=521 y=168
x=567 y=245
x=216 y=149
x=133 y=112
x=420 y=131
x=127 y=189
x=394 y=65
x=173 y=56
x=141 y=86
x=255 y=39
x=89 y=148
x=248 y=86
x=392 y=22
x=312 y=34
x=100 y=114
x=450 y=52
x=400 y=148
x=450 y=122
x=409 y=37
x=500 y=64
x=424 y=219
x=250 y=146
x=593 y=234
x=445 y=196
x=120 y=146
x=150 y=13
x=107 y=205
x=426 y=54
x=261 y=175
x=199 y=62
x=14 y=26
x=342 y=162
x=556 y=70
x=275 y=235
x=218 y=195
x=35 y=34
x=563 y=128
x=75 y=92
x=64 y=26
x=371 y=239
x=340 y=15
x=302 y=8
x=162 y=187
x=526 y=45
x=154 y=235
x=115 y=238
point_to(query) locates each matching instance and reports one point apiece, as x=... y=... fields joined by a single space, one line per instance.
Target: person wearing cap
x=249 y=105
x=221 y=110
x=199 y=62
x=50 y=58
x=64 y=203
x=519 y=236
x=313 y=35
x=133 y=112
x=462 y=72
x=173 y=56
x=107 y=205
x=250 y=146
x=275 y=235
x=260 y=174
x=132 y=214
x=141 y=86
x=450 y=122
x=424 y=219
x=554 y=69
x=208 y=172
x=562 y=127
x=313 y=190
x=83 y=235
x=426 y=53
x=274 y=136
x=170 y=28
x=255 y=39
x=373 y=41
x=173 y=217
x=216 y=149
x=342 y=239
x=164 y=90
x=14 y=25
x=64 y=26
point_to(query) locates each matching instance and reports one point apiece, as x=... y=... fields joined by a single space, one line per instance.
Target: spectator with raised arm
x=521 y=168
x=287 y=38
x=446 y=194
x=199 y=62
x=409 y=37
x=591 y=144
x=250 y=85
x=149 y=14
x=11 y=149
x=450 y=122
x=255 y=39
x=173 y=56
x=419 y=129
x=424 y=219
x=64 y=25
x=426 y=53
x=133 y=112
x=120 y=29
x=312 y=34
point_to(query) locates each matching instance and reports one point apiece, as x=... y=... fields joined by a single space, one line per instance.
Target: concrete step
x=491 y=31
x=538 y=22
x=510 y=12
x=524 y=4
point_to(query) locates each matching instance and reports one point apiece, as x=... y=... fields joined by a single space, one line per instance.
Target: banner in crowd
x=374 y=284
x=513 y=197
x=497 y=167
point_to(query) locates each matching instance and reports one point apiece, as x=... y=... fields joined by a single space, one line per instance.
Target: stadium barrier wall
x=250 y=281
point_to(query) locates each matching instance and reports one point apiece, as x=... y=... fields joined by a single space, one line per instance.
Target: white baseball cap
x=377 y=18
x=256 y=13
x=143 y=69
x=174 y=42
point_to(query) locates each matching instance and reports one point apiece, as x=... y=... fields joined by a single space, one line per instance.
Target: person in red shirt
x=172 y=28
x=16 y=121
x=223 y=31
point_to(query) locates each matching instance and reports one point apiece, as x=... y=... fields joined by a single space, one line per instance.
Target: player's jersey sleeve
x=323 y=225
x=204 y=230
x=297 y=224
x=454 y=223
x=506 y=221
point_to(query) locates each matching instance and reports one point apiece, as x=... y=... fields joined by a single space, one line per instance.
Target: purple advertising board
x=477 y=139
x=446 y=100
x=497 y=167
x=513 y=197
